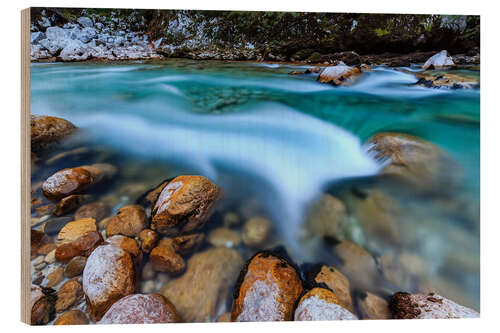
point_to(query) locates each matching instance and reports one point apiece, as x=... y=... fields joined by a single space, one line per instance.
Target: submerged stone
x=321 y=304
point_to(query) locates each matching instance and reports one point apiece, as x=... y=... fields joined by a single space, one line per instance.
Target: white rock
x=439 y=60
x=85 y=22
x=74 y=50
x=36 y=37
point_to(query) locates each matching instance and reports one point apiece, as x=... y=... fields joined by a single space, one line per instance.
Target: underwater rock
x=421 y=163
x=452 y=81
x=96 y=210
x=82 y=246
x=327 y=217
x=72 y=317
x=204 y=288
x=224 y=318
x=69 y=204
x=73 y=230
x=431 y=306
x=54 y=277
x=267 y=289
x=165 y=259
x=188 y=244
x=321 y=304
x=340 y=74
x=38 y=240
x=148 y=239
x=141 y=309
x=75 y=266
x=256 y=231
x=439 y=60
x=40 y=306
x=47 y=131
x=108 y=276
x=372 y=306
x=129 y=221
x=224 y=237
x=184 y=205
x=70 y=294
x=335 y=281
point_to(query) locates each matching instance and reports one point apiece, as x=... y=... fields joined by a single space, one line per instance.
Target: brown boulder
x=70 y=293
x=165 y=259
x=256 y=231
x=72 y=317
x=128 y=244
x=148 y=239
x=141 y=309
x=40 y=306
x=129 y=221
x=82 y=246
x=340 y=74
x=47 y=131
x=75 y=266
x=188 y=244
x=372 y=306
x=204 y=288
x=267 y=290
x=73 y=230
x=430 y=306
x=337 y=282
x=96 y=210
x=327 y=217
x=108 y=276
x=69 y=204
x=321 y=304
x=184 y=205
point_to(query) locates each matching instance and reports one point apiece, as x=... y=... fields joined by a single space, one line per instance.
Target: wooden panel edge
x=25 y=167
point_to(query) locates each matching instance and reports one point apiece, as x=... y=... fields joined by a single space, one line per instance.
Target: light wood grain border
x=25 y=166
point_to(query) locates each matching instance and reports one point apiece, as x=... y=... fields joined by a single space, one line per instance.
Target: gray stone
x=36 y=37
x=85 y=22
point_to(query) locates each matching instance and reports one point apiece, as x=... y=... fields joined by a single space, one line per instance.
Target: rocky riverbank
x=59 y=34
x=171 y=253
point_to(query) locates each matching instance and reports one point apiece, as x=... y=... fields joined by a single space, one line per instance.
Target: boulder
x=73 y=230
x=85 y=22
x=128 y=244
x=427 y=306
x=340 y=74
x=267 y=289
x=75 y=266
x=256 y=231
x=335 y=281
x=165 y=259
x=129 y=221
x=47 y=131
x=141 y=309
x=82 y=246
x=184 y=205
x=74 y=50
x=69 y=204
x=187 y=244
x=327 y=217
x=40 y=306
x=417 y=161
x=108 y=276
x=71 y=293
x=148 y=239
x=447 y=80
x=96 y=210
x=203 y=290
x=321 y=304
x=439 y=60
x=372 y=306
x=72 y=317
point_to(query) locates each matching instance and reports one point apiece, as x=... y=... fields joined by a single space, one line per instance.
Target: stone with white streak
x=439 y=60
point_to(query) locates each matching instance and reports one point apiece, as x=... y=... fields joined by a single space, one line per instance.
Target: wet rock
x=72 y=317
x=50 y=258
x=403 y=270
x=148 y=239
x=70 y=155
x=128 y=244
x=327 y=217
x=165 y=259
x=184 y=205
x=231 y=219
x=415 y=160
x=38 y=240
x=47 y=248
x=96 y=210
x=267 y=290
x=321 y=304
x=148 y=273
x=71 y=293
x=108 y=276
x=224 y=237
x=446 y=80
x=74 y=180
x=141 y=309
x=427 y=306
x=256 y=231
x=45 y=210
x=47 y=131
x=340 y=74
x=129 y=221
x=85 y=22
x=358 y=264
x=372 y=306
x=55 y=224
x=41 y=307
x=439 y=60
x=224 y=318
x=69 y=204
x=205 y=286
x=75 y=266
x=54 y=277
x=73 y=230
x=82 y=246
x=188 y=244
x=336 y=281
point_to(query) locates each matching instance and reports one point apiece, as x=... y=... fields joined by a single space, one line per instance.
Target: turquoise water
x=261 y=133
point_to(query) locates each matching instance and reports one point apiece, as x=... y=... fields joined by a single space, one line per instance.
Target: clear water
x=275 y=139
